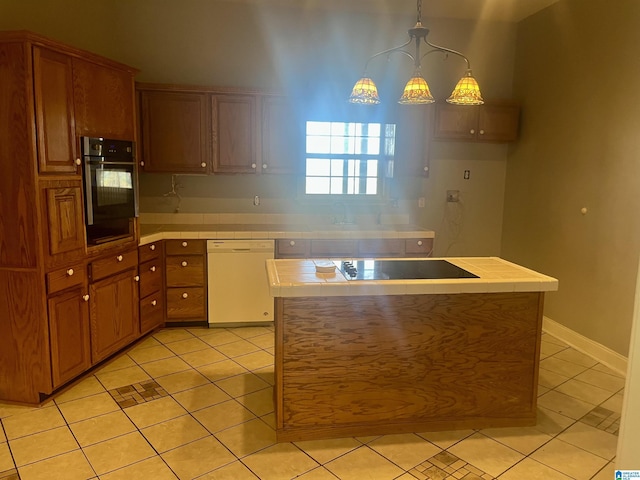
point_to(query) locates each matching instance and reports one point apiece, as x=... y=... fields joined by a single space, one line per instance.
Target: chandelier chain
x=419 y=19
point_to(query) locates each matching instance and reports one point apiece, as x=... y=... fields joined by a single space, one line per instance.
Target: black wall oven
x=110 y=180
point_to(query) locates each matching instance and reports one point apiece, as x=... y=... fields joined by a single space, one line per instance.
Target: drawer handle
x=184 y=264
x=253 y=165
x=184 y=244
x=419 y=243
x=472 y=131
x=78 y=161
x=203 y=164
x=152 y=247
x=153 y=269
x=185 y=295
x=264 y=166
x=85 y=298
x=292 y=243
x=142 y=164
x=154 y=303
x=119 y=258
x=137 y=278
x=70 y=272
x=481 y=132
x=426 y=169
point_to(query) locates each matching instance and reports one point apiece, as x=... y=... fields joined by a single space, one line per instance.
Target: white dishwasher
x=238 y=291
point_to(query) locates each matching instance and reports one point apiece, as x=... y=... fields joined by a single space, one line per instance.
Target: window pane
x=318 y=166
x=318 y=144
x=318 y=128
x=342 y=129
x=372 y=186
x=372 y=168
x=337 y=167
x=336 y=186
x=368 y=146
x=317 y=185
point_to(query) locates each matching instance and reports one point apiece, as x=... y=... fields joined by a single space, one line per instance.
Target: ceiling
x=499 y=10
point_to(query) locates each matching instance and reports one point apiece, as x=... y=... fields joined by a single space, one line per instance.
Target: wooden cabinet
x=103 y=100
x=151 y=272
x=68 y=323
x=50 y=95
x=484 y=123
x=356 y=248
x=114 y=303
x=233 y=123
x=186 y=280
x=175 y=132
x=281 y=136
x=55 y=120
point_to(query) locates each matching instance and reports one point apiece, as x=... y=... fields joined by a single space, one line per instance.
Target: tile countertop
x=298 y=278
x=154 y=232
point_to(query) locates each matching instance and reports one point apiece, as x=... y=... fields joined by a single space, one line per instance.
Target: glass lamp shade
x=416 y=92
x=467 y=91
x=365 y=92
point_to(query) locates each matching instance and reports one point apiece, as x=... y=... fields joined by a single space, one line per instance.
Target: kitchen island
x=367 y=357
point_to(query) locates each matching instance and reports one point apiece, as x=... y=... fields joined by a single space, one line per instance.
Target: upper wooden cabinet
x=55 y=120
x=280 y=138
x=103 y=100
x=175 y=132
x=485 y=123
x=233 y=124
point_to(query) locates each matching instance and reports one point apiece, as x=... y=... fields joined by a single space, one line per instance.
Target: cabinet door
x=64 y=219
x=234 y=133
x=456 y=122
x=186 y=304
x=103 y=100
x=114 y=314
x=185 y=271
x=498 y=123
x=280 y=145
x=69 y=334
x=175 y=132
x=53 y=88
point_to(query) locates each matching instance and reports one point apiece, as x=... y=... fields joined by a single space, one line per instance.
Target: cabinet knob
x=154 y=303
x=184 y=264
x=152 y=247
x=137 y=278
x=426 y=169
x=419 y=243
x=472 y=131
x=78 y=162
x=253 y=165
x=292 y=243
x=70 y=272
x=185 y=295
x=203 y=164
x=85 y=298
x=153 y=268
x=481 y=132
x=184 y=244
x=264 y=166
x=142 y=164
x=119 y=258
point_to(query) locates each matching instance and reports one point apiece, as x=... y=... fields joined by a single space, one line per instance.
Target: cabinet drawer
x=151 y=312
x=380 y=246
x=107 y=266
x=150 y=251
x=66 y=277
x=150 y=277
x=418 y=246
x=185 y=270
x=185 y=247
x=189 y=302
x=292 y=247
x=332 y=248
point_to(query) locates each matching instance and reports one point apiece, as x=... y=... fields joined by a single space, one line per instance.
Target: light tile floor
x=197 y=403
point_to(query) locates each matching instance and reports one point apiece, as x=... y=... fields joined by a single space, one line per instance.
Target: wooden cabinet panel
x=498 y=123
x=456 y=122
x=151 y=288
x=333 y=248
x=66 y=277
x=233 y=123
x=292 y=248
x=151 y=312
x=69 y=334
x=484 y=123
x=112 y=264
x=175 y=132
x=280 y=136
x=103 y=101
x=65 y=219
x=418 y=246
x=55 y=121
x=186 y=247
x=150 y=251
x=114 y=314
x=186 y=303
x=390 y=247
x=184 y=271
x=150 y=277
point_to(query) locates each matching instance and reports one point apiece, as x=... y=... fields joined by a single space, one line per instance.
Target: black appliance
x=401 y=269
x=110 y=180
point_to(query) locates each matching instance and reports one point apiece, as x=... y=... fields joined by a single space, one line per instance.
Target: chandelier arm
x=438 y=48
x=390 y=51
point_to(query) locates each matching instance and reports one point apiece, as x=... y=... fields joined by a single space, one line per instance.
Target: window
x=347 y=158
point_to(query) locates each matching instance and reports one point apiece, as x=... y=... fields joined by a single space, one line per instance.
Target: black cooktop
x=401 y=270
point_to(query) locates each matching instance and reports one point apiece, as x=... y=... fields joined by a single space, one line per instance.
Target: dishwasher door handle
x=241 y=250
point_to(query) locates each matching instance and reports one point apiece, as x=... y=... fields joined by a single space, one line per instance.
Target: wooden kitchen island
x=367 y=357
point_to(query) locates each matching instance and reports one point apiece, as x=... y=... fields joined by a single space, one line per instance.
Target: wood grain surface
x=353 y=363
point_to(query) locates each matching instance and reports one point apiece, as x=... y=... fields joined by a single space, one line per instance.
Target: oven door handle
x=108 y=162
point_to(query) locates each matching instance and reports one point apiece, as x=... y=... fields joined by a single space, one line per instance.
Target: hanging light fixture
x=416 y=92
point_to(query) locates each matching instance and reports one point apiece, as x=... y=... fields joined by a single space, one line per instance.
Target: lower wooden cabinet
x=152 y=305
x=360 y=248
x=186 y=280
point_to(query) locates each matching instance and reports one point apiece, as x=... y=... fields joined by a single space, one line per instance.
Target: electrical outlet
x=421 y=202
x=256 y=200
x=467 y=174
x=453 y=195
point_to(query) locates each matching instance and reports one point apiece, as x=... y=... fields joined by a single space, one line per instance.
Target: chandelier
x=416 y=92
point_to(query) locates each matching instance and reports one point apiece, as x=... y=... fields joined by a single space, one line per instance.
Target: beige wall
x=576 y=73
x=300 y=50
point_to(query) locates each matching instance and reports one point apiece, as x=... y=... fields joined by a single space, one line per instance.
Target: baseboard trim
x=599 y=352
